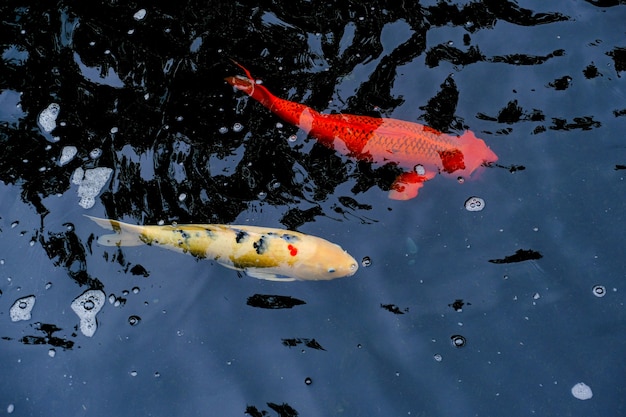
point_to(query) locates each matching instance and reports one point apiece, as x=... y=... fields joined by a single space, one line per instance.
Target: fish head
x=325 y=261
x=476 y=154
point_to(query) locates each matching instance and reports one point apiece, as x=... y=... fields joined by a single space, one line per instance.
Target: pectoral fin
x=407 y=185
x=260 y=274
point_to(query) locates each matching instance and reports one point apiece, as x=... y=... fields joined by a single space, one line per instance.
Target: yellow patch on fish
x=261 y=252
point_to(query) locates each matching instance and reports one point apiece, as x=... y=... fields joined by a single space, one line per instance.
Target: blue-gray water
x=541 y=82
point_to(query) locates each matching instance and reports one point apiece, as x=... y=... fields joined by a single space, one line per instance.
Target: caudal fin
x=125 y=234
x=249 y=86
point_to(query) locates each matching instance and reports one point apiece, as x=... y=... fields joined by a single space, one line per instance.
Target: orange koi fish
x=420 y=150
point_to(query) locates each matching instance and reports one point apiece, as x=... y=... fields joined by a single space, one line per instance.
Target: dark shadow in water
x=149 y=94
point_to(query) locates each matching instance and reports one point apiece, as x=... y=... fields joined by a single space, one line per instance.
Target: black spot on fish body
x=183 y=234
x=210 y=234
x=290 y=238
x=260 y=245
x=241 y=236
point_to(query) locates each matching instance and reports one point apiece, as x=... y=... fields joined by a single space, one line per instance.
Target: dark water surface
x=144 y=97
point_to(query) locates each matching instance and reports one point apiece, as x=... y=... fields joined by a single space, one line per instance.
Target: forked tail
x=249 y=86
x=125 y=234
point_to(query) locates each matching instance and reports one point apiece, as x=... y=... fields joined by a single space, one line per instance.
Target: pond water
x=121 y=111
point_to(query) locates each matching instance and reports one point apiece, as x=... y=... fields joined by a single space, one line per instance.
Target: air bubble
x=182 y=197
x=134 y=320
x=52 y=353
x=582 y=391
x=141 y=13
x=599 y=290
x=237 y=127
x=292 y=138
x=135 y=290
x=458 y=341
x=308 y=381
x=419 y=169
x=474 y=204
x=95 y=153
x=223 y=130
x=273 y=185
x=67 y=154
x=279 y=125
x=366 y=261
x=437 y=357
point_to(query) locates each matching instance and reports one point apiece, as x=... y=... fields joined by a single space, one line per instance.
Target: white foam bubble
x=67 y=154
x=90 y=183
x=86 y=306
x=48 y=117
x=21 y=308
x=140 y=15
x=474 y=204
x=582 y=391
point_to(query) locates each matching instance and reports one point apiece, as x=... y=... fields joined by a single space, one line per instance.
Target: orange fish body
x=420 y=150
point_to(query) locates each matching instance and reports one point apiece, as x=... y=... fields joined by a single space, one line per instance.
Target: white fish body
x=261 y=252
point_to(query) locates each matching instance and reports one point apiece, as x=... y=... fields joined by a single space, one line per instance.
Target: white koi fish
x=260 y=252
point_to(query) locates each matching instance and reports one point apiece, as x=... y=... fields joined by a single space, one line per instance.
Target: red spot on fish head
x=452 y=160
x=293 y=251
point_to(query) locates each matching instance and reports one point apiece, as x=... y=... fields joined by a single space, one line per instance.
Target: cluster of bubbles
x=67 y=154
x=86 y=306
x=48 y=117
x=90 y=183
x=474 y=204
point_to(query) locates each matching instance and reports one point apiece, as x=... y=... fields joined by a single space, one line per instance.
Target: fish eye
x=331 y=270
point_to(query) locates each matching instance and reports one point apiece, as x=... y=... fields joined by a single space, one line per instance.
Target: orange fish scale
x=385 y=140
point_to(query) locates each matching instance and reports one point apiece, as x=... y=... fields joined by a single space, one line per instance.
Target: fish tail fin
x=249 y=86
x=125 y=234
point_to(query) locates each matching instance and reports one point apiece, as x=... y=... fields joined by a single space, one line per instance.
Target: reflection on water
x=124 y=110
